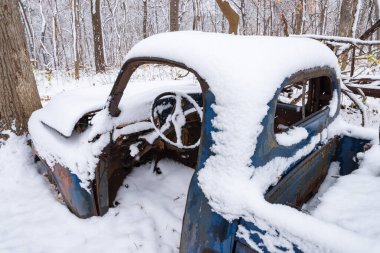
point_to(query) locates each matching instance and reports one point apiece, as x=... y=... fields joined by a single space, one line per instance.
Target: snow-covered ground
x=149 y=216
x=32 y=219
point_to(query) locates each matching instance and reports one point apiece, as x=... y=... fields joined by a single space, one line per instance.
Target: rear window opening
x=297 y=101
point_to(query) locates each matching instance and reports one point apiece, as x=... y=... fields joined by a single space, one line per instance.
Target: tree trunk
x=230 y=14
x=196 y=15
x=377 y=15
x=75 y=30
x=322 y=17
x=285 y=24
x=346 y=21
x=347 y=17
x=243 y=17
x=145 y=19
x=299 y=17
x=98 y=36
x=173 y=15
x=18 y=90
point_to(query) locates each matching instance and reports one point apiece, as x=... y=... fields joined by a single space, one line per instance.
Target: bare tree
x=18 y=90
x=347 y=17
x=125 y=22
x=173 y=15
x=243 y=17
x=346 y=22
x=145 y=19
x=299 y=16
x=322 y=17
x=98 y=36
x=29 y=29
x=230 y=14
x=377 y=15
x=196 y=14
x=76 y=42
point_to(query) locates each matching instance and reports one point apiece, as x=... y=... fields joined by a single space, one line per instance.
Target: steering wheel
x=171 y=109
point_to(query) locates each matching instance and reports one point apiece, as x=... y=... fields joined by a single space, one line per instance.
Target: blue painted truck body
x=205 y=231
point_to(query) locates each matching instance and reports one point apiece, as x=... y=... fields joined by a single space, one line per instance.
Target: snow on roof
x=244 y=73
x=233 y=61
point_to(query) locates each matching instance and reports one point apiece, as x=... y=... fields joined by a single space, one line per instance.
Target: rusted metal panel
x=79 y=201
x=101 y=187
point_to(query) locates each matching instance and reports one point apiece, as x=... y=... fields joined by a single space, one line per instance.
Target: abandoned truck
x=257 y=118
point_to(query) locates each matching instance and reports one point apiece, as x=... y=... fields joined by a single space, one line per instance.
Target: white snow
x=134 y=149
x=353 y=201
x=292 y=136
x=148 y=218
x=334 y=104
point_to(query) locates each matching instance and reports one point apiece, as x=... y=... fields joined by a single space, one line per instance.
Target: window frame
x=315 y=78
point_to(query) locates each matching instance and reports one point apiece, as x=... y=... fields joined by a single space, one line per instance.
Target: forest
x=66 y=34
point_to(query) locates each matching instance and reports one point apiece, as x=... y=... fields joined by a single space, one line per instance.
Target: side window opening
x=299 y=100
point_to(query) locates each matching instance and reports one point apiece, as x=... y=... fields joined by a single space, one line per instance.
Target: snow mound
x=353 y=202
x=148 y=218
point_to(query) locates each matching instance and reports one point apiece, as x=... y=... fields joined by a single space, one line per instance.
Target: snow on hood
x=64 y=111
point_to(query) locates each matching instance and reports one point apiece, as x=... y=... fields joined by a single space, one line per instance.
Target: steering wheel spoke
x=176 y=119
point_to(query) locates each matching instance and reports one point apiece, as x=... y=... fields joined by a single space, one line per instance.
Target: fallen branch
x=337 y=39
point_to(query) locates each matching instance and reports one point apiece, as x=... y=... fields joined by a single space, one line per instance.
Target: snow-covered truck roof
x=243 y=73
